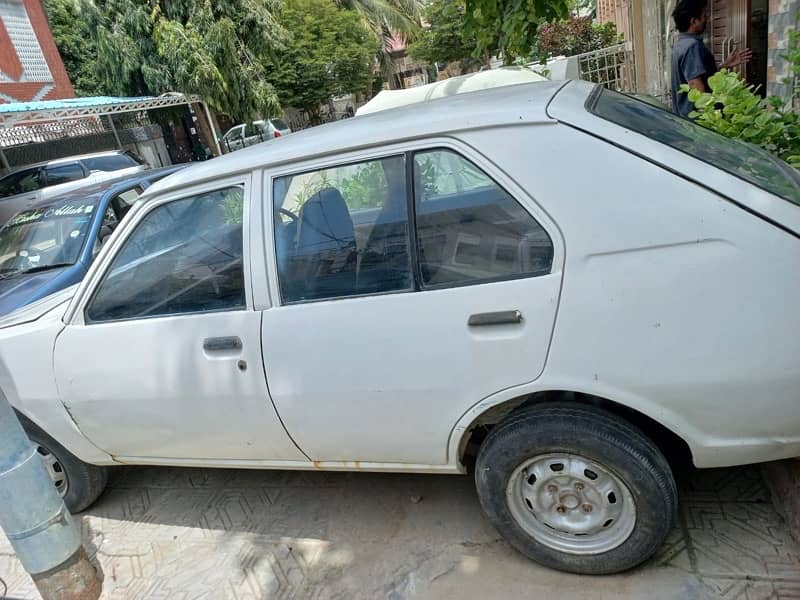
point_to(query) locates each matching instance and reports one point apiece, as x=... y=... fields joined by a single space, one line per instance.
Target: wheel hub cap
x=571 y=504
x=54 y=469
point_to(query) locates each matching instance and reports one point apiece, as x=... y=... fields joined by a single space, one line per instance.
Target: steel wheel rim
x=571 y=504
x=54 y=469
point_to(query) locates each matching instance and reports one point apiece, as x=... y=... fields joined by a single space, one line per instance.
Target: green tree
x=508 y=27
x=329 y=52
x=215 y=49
x=387 y=19
x=73 y=38
x=444 y=40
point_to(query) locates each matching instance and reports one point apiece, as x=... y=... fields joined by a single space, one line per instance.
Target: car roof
x=95 y=191
x=522 y=103
x=65 y=159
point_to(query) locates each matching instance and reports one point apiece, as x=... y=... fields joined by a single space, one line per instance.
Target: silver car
x=245 y=135
x=23 y=187
x=559 y=289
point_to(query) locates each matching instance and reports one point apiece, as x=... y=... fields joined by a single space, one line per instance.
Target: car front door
x=391 y=322
x=161 y=356
x=235 y=138
x=253 y=135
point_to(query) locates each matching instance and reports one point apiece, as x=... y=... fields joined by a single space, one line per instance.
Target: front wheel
x=77 y=482
x=576 y=488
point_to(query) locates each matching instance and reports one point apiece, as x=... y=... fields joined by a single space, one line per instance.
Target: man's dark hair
x=685 y=11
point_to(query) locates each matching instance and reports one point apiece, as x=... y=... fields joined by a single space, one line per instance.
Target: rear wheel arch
x=672 y=445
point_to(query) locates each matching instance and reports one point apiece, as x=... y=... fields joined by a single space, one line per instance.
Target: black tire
x=594 y=434
x=84 y=482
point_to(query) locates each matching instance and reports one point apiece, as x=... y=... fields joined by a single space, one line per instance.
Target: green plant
x=734 y=109
x=576 y=35
x=508 y=27
x=367 y=188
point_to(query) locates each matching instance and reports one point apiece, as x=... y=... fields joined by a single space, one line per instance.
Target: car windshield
x=738 y=158
x=44 y=238
x=279 y=124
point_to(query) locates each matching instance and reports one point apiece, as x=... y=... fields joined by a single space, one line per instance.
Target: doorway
x=735 y=24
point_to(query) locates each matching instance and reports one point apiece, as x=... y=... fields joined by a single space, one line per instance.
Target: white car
x=242 y=136
x=23 y=187
x=558 y=288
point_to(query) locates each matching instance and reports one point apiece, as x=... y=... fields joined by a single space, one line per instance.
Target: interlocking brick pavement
x=186 y=534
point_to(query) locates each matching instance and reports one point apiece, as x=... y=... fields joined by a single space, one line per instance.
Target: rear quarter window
x=738 y=158
x=20 y=182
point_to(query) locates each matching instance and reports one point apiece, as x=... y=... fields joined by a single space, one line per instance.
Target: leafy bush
x=734 y=109
x=576 y=35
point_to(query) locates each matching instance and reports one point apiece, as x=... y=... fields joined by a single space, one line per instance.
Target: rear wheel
x=77 y=482
x=576 y=489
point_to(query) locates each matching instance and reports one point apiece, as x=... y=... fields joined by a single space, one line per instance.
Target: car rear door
x=390 y=322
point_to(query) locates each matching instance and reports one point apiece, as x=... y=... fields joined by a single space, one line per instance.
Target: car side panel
x=677 y=299
x=27 y=379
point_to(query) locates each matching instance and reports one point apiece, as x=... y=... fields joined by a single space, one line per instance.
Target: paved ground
x=180 y=534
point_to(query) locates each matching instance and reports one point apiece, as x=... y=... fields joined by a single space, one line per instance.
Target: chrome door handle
x=503 y=317
x=222 y=344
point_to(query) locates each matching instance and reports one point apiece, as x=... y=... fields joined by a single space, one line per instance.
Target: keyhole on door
x=242 y=365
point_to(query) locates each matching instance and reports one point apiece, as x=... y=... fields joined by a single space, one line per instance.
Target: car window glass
x=112 y=162
x=19 y=182
x=64 y=173
x=183 y=257
x=738 y=158
x=279 y=124
x=469 y=229
x=448 y=173
x=343 y=231
x=252 y=130
x=45 y=237
x=123 y=201
x=110 y=218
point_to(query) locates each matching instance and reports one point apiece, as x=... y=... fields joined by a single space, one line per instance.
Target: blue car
x=49 y=246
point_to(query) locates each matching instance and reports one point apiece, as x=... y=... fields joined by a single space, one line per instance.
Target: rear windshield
x=743 y=160
x=111 y=162
x=279 y=124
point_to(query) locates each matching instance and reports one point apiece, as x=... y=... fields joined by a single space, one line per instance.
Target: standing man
x=692 y=62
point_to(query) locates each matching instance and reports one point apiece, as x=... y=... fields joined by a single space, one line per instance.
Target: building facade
x=762 y=25
x=30 y=65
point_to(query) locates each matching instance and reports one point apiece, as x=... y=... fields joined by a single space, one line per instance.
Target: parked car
x=245 y=135
x=50 y=245
x=22 y=187
x=558 y=288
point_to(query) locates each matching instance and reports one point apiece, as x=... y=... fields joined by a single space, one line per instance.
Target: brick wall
x=25 y=76
x=782 y=18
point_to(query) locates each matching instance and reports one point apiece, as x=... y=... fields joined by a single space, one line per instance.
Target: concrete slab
x=182 y=534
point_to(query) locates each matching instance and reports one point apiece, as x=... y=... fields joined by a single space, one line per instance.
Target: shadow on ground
x=203 y=533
